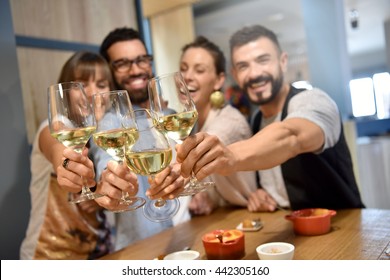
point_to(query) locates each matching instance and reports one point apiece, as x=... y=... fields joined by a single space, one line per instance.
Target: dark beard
x=276 y=85
x=139 y=96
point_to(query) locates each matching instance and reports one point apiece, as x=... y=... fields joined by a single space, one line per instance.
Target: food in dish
x=275 y=251
x=232 y=246
x=247 y=223
x=250 y=225
x=311 y=221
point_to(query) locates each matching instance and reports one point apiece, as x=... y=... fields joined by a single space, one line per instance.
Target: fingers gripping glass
x=124 y=64
x=72 y=122
x=171 y=101
x=116 y=129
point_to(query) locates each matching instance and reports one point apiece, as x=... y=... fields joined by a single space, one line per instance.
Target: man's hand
x=261 y=201
x=167 y=184
x=117 y=178
x=204 y=154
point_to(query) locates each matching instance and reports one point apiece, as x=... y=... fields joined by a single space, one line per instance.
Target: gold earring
x=217 y=99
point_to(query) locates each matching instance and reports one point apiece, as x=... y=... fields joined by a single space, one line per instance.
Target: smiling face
x=94 y=83
x=258 y=68
x=136 y=78
x=198 y=68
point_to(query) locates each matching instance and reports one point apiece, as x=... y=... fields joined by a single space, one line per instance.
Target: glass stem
x=85 y=190
x=193 y=180
x=125 y=195
x=160 y=202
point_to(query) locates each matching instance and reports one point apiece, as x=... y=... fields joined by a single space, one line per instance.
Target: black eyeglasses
x=124 y=65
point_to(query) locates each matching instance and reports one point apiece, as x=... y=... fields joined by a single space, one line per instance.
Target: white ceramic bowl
x=275 y=251
x=183 y=255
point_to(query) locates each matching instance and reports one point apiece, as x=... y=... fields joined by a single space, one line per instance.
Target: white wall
x=374 y=171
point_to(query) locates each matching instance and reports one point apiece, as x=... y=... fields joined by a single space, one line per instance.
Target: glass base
x=194 y=188
x=130 y=204
x=78 y=198
x=157 y=211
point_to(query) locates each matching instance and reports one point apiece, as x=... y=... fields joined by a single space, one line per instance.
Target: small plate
x=183 y=255
x=257 y=225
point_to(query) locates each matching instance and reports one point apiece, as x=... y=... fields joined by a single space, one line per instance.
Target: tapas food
x=250 y=225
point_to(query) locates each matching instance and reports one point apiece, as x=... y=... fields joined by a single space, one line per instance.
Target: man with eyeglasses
x=131 y=66
x=130 y=63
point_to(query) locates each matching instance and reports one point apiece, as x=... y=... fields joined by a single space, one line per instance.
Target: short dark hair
x=250 y=34
x=213 y=49
x=119 y=35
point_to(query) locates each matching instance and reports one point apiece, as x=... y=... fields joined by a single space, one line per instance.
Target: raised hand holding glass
x=151 y=154
x=72 y=122
x=116 y=129
x=170 y=92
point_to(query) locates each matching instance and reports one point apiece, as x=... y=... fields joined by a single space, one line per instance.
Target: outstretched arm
x=205 y=154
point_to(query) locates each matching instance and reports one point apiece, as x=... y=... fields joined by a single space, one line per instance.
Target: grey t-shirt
x=317 y=107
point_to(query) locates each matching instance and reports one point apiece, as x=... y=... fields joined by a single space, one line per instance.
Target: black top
x=324 y=180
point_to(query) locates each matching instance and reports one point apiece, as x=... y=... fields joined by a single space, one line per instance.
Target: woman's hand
x=77 y=172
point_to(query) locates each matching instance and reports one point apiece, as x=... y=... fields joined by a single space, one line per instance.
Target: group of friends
x=292 y=154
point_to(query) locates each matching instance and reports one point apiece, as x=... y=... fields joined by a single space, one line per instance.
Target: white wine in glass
x=169 y=91
x=151 y=154
x=72 y=122
x=178 y=126
x=116 y=128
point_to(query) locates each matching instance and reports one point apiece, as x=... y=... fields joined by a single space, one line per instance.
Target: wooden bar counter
x=356 y=234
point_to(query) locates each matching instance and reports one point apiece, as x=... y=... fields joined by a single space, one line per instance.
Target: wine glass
x=116 y=129
x=72 y=122
x=171 y=101
x=150 y=154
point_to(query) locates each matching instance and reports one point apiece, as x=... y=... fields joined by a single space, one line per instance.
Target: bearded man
x=298 y=147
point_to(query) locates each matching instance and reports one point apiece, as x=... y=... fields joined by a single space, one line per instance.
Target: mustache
x=131 y=77
x=259 y=79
